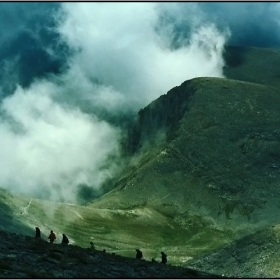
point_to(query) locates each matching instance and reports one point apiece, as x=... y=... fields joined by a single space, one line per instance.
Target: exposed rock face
x=26 y=257
x=159 y=119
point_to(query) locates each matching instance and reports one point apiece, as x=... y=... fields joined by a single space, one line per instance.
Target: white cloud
x=45 y=145
x=119 y=46
x=48 y=144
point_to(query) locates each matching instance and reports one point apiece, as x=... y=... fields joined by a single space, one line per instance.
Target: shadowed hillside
x=253 y=256
x=256 y=65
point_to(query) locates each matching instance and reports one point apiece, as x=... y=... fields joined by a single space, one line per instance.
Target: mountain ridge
x=201 y=124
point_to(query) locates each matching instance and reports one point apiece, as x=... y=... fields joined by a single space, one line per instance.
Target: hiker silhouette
x=52 y=237
x=163 y=258
x=92 y=246
x=65 y=239
x=37 y=232
x=139 y=254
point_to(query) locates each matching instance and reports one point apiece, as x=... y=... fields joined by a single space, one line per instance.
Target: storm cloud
x=251 y=24
x=30 y=46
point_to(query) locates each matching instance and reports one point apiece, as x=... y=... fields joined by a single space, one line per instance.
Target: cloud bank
x=47 y=149
x=120 y=48
x=60 y=127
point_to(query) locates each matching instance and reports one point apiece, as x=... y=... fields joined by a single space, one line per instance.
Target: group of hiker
x=52 y=236
x=65 y=240
x=139 y=256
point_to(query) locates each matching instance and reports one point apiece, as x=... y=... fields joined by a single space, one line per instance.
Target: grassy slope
x=115 y=230
x=224 y=155
x=218 y=174
x=256 y=65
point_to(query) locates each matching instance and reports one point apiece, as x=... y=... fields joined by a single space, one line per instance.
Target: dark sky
x=27 y=31
x=253 y=24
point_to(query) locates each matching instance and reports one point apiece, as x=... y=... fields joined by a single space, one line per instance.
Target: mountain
x=207 y=156
x=201 y=181
x=209 y=147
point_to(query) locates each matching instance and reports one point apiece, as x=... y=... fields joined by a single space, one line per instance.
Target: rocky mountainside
x=209 y=147
x=207 y=155
x=252 y=256
x=27 y=257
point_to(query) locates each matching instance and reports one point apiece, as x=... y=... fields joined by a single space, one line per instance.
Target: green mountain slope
x=115 y=230
x=256 y=65
x=213 y=168
x=220 y=160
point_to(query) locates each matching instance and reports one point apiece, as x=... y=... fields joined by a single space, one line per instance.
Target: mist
x=48 y=148
x=61 y=120
x=122 y=51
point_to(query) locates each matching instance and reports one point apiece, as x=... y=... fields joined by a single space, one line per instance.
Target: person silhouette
x=37 y=232
x=65 y=239
x=163 y=258
x=92 y=245
x=52 y=237
x=139 y=254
